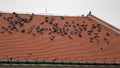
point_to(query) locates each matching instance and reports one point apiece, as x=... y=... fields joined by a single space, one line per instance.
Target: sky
x=107 y=10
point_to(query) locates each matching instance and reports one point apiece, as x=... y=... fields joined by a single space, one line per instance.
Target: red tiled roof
x=67 y=38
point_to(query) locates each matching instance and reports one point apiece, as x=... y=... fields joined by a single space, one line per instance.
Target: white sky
x=107 y=10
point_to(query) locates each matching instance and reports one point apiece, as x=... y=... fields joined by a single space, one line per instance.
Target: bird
x=29 y=31
x=3 y=27
x=108 y=42
x=21 y=24
x=70 y=37
x=10 y=32
x=2 y=31
x=82 y=15
x=91 y=40
x=62 y=17
x=23 y=31
x=101 y=48
x=0 y=14
x=33 y=34
x=52 y=37
x=105 y=39
x=107 y=34
x=80 y=35
x=42 y=23
x=99 y=30
x=90 y=12
x=14 y=12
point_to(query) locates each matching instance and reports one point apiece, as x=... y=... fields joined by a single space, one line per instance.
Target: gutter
x=53 y=63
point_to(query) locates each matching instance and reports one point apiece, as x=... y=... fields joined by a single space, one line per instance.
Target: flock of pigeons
x=69 y=29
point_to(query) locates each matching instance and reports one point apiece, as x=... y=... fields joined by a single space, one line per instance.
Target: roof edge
x=45 y=14
x=117 y=30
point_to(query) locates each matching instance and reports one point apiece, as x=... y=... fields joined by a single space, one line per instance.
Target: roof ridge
x=113 y=28
x=46 y=14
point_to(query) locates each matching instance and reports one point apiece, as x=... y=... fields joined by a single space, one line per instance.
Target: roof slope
x=64 y=38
